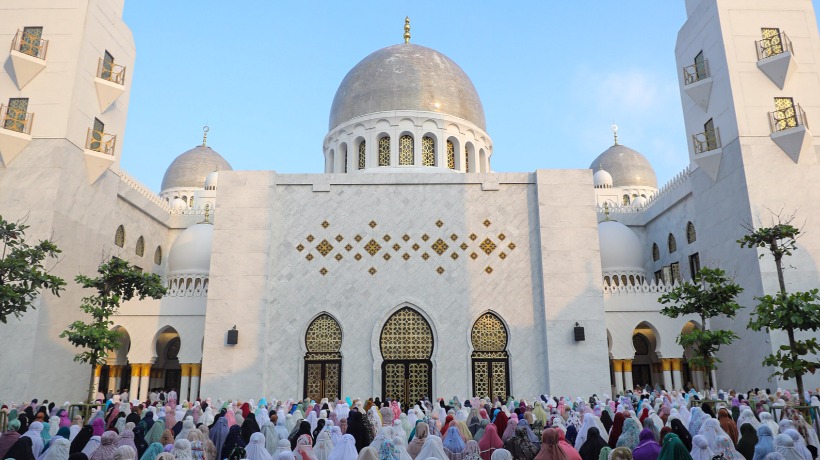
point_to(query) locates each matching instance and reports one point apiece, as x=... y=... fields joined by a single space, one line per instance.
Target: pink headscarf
x=230 y=416
x=170 y=419
x=396 y=410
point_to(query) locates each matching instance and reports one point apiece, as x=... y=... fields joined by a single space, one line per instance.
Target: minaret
x=749 y=79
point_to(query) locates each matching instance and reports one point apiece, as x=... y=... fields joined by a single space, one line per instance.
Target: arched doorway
x=167 y=373
x=406 y=345
x=491 y=363
x=115 y=375
x=691 y=377
x=645 y=364
x=323 y=361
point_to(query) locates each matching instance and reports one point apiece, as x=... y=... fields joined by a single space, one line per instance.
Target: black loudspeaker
x=579 y=334
x=233 y=336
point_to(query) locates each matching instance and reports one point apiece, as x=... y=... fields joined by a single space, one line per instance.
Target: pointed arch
x=323 y=359
x=490 y=360
x=139 y=250
x=691 y=234
x=119 y=237
x=406 y=345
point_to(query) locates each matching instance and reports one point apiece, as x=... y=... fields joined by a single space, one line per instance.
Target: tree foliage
x=798 y=311
x=710 y=293
x=22 y=274
x=118 y=281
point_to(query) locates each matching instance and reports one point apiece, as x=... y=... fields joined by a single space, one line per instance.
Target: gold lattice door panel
x=394 y=381
x=323 y=379
x=481 y=379
x=313 y=381
x=419 y=380
x=499 y=378
x=406 y=336
x=333 y=381
x=491 y=378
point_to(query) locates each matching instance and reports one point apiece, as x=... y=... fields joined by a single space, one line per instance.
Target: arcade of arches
x=647 y=367
x=139 y=378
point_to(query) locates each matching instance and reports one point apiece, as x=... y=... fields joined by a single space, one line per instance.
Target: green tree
x=710 y=293
x=22 y=274
x=790 y=312
x=118 y=281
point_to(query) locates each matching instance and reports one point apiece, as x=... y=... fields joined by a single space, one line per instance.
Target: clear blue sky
x=553 y=76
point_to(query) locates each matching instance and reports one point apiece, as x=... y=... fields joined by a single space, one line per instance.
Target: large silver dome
x=192 y=167
x=627 y=167
x=406 y=77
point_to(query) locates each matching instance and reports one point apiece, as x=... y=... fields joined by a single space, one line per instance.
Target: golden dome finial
x=615 y=133
x=205 y=130
x=407 y=29
x=207 y=213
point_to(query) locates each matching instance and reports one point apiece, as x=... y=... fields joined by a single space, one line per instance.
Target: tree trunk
x=707 y=371
x=798 y=378
x=90 y=399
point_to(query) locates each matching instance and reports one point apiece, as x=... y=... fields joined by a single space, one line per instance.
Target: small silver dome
x=627 y=167
x=192 y=167
x=406 y=77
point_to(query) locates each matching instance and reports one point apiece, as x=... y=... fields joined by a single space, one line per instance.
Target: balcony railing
x=30 y=44
x=16 y=119
x=111 y=72
x=790 y=117
x=706 y=141
x=696 y=72
x=99 y=141
x=772 y=46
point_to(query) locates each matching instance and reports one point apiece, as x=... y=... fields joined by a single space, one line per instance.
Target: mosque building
x=409 y=267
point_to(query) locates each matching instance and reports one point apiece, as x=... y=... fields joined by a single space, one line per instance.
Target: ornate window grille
x=100 y=141
x=696 y=72
x=672 y=245
x=625 y=200
x=384 y=151
x=406 y=345
x=30 y=41
x=345 y=160
x=691 y=235
x=362 y=157
x=119 y=237
x=466 y=159
x=15 y=116
x=406 y=150
x=773 y=43
x=787 y=115
x=140 y=249
x=428 y=151
x=158 y=255
x=451 y=155
x=641 y=344
x=108 y=70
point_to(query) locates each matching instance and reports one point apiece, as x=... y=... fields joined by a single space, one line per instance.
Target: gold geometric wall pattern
x=485 y=246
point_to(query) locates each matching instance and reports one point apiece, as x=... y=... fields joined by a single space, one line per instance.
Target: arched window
x=323 y=361
x=691 y=235
x=406 y=345
x=362 y=158
x=466 y=159
x=451 y=155
x=625 y=201
x=656 y=253
x=406 y=150
x=428 y=151
x=491 y=365
x=384 y=151
x=672 y=244
x=140 y=250
x=191 y=202
x=158 y=255
x=119 y=237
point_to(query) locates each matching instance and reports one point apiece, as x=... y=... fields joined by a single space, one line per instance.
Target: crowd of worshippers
x=641 y=426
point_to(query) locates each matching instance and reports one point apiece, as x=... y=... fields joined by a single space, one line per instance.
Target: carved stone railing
x=193 y=211
x=187 y=286
x=144 y=191
x=646 y=287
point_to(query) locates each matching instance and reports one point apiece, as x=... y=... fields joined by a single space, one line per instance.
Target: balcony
x=109 y=82
x=28 y=57
x=706 y=141
x=99 y=153
x=708 y=151
x=697 y=83
x=790 y=130
x=775 y=58
x=15 y=134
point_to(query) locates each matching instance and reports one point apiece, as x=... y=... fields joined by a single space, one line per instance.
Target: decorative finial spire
x=606 y=211
x=205 y=130
x=407 y=29
x=615 y=133
x=207 y=213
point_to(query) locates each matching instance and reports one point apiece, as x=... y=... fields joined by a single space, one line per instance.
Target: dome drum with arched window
x=397 y=109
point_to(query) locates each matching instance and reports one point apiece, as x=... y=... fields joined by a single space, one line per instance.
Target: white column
x=133 y=390
x=628 y=375
x=183 y=385
x=196 y=370
x=697 y=376
x=145 y=376
x=676 y=375
x=667 y=373
x=618 y=367
x=714 y=379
